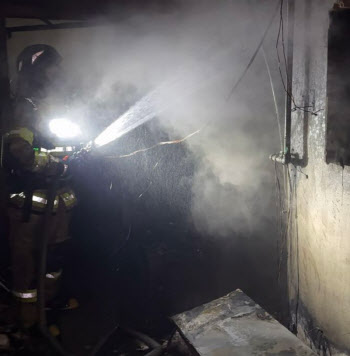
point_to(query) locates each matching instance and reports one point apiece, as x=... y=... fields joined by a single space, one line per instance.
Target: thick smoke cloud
x=194 y=54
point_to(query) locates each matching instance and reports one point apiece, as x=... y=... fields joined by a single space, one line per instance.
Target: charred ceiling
x=65 y=9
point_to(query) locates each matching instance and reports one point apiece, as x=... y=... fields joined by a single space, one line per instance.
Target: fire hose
x=42 y=322
x=157 y=348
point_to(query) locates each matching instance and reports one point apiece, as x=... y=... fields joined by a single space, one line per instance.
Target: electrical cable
x=273 y=96
x=279 y=202
x=292 y=187
x=273 y=92
x=280 y=36
x=156 y=145
x=279 y=210
x=298 y=253
x=170 y=339
x=161 y=144
x=151 y=343
x=255 y=52
x=103 y=341
x=157 y=348
x=229 y=96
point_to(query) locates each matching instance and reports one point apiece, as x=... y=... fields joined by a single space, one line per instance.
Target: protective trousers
x=24 y=243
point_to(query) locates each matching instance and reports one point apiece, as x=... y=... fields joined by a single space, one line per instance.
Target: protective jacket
x=30 y=165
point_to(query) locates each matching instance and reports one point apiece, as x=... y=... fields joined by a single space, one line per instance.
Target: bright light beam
x=64 y=128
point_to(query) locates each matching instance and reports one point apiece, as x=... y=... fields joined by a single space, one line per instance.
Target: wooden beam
x=8 y=10
x=51 y=26
x=82 y=10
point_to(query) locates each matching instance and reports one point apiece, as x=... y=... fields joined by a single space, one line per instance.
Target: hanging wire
x=280 y=39
x=163 y=143
x=273 y=96
x=229 y=96
x=255 y=53
x=273 y=91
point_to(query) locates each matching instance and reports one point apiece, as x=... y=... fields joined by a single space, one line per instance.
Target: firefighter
x=31 y=168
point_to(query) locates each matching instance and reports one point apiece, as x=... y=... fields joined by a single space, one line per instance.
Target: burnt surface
x=319 y=191
x=235 y=324
x=338 y=89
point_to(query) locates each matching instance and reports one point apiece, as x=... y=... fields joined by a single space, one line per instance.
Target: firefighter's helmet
x=33 y=65
x=37 y=57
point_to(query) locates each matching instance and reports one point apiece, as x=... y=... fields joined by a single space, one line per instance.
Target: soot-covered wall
x=319 y=243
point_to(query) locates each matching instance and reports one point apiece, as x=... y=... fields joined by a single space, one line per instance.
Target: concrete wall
x=319 y=221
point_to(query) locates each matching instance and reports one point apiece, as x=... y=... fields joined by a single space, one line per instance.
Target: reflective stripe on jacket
x=39 y=199
x=26 y=296
x=26 y=158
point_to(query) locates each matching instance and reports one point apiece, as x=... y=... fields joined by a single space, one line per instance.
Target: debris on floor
x=235 y=324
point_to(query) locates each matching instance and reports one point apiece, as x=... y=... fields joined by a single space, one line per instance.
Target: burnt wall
x=319 y=229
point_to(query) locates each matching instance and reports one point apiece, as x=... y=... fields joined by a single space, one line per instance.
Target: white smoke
x=192 y=57
x=201 y=47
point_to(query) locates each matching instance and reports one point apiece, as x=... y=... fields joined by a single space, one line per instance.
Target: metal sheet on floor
x=236 y=325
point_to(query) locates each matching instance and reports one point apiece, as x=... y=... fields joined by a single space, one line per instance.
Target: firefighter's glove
x=55 y=168
x=77 y=164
